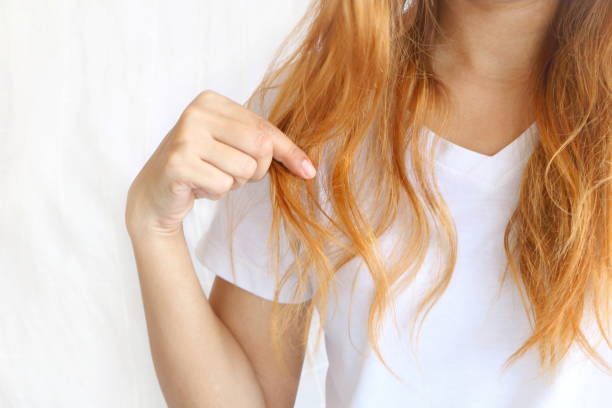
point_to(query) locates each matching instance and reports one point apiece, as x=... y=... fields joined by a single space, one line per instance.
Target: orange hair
x=362 y=72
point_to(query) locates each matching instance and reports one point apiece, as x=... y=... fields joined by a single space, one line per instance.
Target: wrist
x=140 y=223
x=144 y=231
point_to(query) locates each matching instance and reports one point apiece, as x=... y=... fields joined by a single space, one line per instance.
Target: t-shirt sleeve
x=235 y=247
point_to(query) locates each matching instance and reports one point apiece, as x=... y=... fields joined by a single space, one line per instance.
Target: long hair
x=361 y=75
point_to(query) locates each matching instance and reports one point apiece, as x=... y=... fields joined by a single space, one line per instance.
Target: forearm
x=198 y=361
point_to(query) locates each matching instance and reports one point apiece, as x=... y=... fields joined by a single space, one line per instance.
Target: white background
x=87 y=91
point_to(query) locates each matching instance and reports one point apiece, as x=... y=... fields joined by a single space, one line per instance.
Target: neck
x=492 y=41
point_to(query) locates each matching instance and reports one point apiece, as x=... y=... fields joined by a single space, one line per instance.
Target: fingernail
x=308 y=169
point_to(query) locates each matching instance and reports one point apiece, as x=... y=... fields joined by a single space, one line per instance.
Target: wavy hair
x=361 y=75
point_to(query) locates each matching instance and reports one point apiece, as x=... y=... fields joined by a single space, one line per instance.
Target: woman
x=457 y=143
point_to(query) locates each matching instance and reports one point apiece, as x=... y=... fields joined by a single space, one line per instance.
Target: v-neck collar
x=483 y=169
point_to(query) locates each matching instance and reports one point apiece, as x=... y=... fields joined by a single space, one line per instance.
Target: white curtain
x=87 y=91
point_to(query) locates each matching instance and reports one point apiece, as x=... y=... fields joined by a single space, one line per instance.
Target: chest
x=458 y=357
x=484 y=119
x=475 y=301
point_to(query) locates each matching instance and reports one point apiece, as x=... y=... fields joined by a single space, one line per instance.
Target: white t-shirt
x=469 y=333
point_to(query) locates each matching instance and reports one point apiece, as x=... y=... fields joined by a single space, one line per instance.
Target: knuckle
x=188 y=135
x=207 y=96
x=263 y=144
x=262 y=126
x=190 y=113
x=224 y=184
x=209 y=117
x=249 y=166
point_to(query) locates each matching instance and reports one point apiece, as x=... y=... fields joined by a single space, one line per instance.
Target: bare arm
x=210 y=354
x=198 y=361
x=202 y=355
x=247 y=316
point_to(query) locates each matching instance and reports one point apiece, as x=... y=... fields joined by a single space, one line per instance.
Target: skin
x=484 y=61
x=215 y=351
x=207 y=352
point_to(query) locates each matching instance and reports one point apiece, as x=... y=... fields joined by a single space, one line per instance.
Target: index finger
x=287 y=152
x=284 y=149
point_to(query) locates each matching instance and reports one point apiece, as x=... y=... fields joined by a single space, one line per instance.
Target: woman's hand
x=216 y=146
